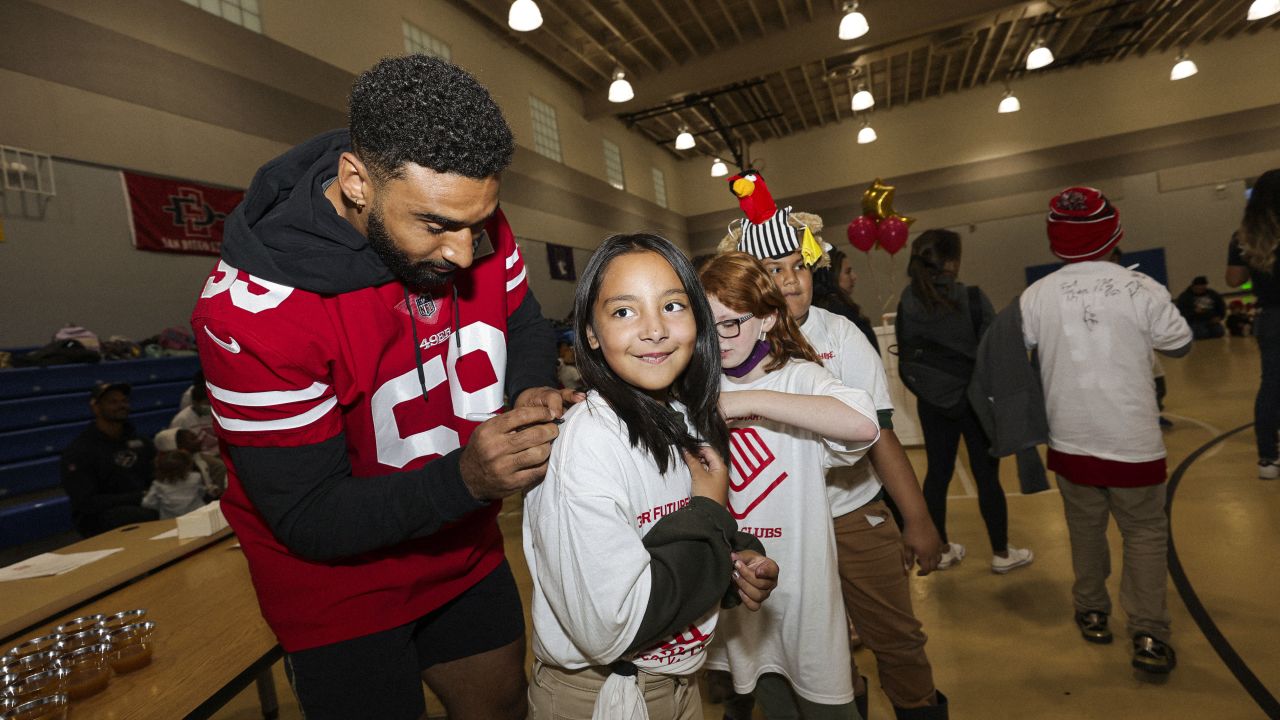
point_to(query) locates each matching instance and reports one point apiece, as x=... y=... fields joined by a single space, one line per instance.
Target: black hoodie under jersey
x=286 y=231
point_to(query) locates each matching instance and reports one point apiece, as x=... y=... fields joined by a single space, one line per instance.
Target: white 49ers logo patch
x=751 y=479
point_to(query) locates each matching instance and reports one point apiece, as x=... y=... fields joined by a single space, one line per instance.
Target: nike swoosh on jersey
x=231 y=347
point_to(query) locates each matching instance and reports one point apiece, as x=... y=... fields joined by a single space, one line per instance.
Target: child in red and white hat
x=1095 y=325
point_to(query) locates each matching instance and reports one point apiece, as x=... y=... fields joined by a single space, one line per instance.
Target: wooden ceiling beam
x=804 y=42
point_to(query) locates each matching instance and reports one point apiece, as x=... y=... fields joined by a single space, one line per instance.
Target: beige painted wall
x=352 y=36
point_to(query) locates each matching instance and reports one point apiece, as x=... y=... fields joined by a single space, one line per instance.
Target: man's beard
x=420 y=274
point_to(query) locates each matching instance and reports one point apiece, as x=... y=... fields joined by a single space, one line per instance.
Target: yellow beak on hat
x=743 y=187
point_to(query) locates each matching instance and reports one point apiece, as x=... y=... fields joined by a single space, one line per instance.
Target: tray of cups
x=42 y=676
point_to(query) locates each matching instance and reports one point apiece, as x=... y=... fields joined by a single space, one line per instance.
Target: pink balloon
x=862 y=233
x=892 y=234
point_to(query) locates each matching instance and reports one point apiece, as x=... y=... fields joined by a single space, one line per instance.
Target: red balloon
x=862 y=233
x=892 y=234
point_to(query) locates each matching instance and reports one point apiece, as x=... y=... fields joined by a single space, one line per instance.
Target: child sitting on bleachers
x=178 y=487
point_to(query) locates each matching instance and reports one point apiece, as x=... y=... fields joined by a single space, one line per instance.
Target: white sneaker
x=1268 y=469
x=953 y=556
x=1018 y=557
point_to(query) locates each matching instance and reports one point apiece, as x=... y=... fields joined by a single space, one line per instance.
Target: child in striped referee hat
x=874 y=582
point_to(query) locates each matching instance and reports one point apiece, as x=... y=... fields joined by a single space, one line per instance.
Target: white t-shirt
x=1096 y=324
x=847 y=353
x=202 y=425
x=582 y=540
x=777 y=492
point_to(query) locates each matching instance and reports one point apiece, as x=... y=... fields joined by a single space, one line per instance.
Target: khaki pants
x=877 y=596
x=558 y=694
x=1139 y=513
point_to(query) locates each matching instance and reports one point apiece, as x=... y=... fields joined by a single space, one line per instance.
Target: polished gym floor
x=1006 y=647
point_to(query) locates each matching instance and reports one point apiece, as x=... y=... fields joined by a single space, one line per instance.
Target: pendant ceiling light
x=854 y=24
x=524 y=16
x=863 y=100
x=1183 y=67
x=1263 y=8
x=685 y=141
x=719 y=169
x=620 y=90
x=1009 y=103
x=867 y=134
x=1040 y=56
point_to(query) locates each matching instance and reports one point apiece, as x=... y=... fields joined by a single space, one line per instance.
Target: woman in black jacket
x=939 y=324
x=833 y=292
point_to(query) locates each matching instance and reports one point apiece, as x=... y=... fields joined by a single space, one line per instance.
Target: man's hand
x=709 y=474
x=557 y=401
x=921 y=544
x=509 y=452
x=755 y=575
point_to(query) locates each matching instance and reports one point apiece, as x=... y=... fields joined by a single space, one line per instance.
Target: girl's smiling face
x=735 y=350
x=642 y=324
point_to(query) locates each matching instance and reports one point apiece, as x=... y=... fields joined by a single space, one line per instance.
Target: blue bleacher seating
x=43 y=409
x=34 y=520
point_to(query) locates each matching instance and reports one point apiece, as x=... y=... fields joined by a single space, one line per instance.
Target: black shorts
x=379 y=675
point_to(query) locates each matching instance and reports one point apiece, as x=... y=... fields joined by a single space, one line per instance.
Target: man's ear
x=592 y=342
x=355 y=181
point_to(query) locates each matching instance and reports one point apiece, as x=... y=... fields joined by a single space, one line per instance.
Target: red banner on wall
x=177 y=216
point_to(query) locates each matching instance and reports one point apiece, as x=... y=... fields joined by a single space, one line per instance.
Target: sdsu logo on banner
x=176 y=216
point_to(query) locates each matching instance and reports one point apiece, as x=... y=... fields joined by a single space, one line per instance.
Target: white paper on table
x=167 y=534
x=52 y=564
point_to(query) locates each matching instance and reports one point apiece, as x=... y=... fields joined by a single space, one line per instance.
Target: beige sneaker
x=953 y=556
x=1018 y=557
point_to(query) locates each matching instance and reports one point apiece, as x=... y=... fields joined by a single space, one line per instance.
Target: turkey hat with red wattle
x=1083 y=224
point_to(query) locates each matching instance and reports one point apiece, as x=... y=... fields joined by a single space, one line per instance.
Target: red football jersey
x=287 y=367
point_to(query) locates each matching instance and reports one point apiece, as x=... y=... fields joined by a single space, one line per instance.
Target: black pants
x=1266 y=408
x=941 y=442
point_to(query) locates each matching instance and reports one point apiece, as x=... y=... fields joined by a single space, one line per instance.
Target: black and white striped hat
x=772 y=238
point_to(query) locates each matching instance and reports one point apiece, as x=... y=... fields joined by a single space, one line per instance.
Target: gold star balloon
x=877 y=200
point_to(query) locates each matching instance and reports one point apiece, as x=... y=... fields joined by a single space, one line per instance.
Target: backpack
x=937 y=374
x=86 y=338
x=58 y=352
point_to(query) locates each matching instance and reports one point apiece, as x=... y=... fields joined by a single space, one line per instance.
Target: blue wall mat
x=1149 y=261
x=18 y=445
x=30 y=521
x=26 y=382
x=29 y=476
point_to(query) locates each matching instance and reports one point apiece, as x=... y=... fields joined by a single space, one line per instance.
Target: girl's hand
x=755 y=575
x=709 y=473
x=738 y=404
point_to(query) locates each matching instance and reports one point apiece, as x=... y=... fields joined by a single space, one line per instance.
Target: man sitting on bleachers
x=106 y=470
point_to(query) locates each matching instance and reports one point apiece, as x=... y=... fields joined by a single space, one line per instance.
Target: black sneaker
x=1152 y=655
x=1093 y=627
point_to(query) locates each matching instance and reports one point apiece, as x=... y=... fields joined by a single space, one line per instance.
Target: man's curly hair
x=421 y=109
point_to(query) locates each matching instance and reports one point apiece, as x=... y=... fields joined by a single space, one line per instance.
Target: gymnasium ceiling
x=765 y=69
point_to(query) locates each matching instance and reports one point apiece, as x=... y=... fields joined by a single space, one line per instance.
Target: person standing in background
x=833 y=291
x=1252 y=256
x=939 y=325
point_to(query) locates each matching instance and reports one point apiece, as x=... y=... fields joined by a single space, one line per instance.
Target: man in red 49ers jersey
x=370 y=309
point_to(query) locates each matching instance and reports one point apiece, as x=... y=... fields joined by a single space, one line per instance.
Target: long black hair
x=1259 y=232
x=652 y=425
x=827 y=293
x=930 y=252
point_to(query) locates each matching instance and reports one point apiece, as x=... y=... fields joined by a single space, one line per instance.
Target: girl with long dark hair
x=1253 y=256
x=833 y=291
x=628 y=540
x=939 y=324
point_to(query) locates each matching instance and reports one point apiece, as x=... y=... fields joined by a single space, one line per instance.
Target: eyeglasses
x=728 y=329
